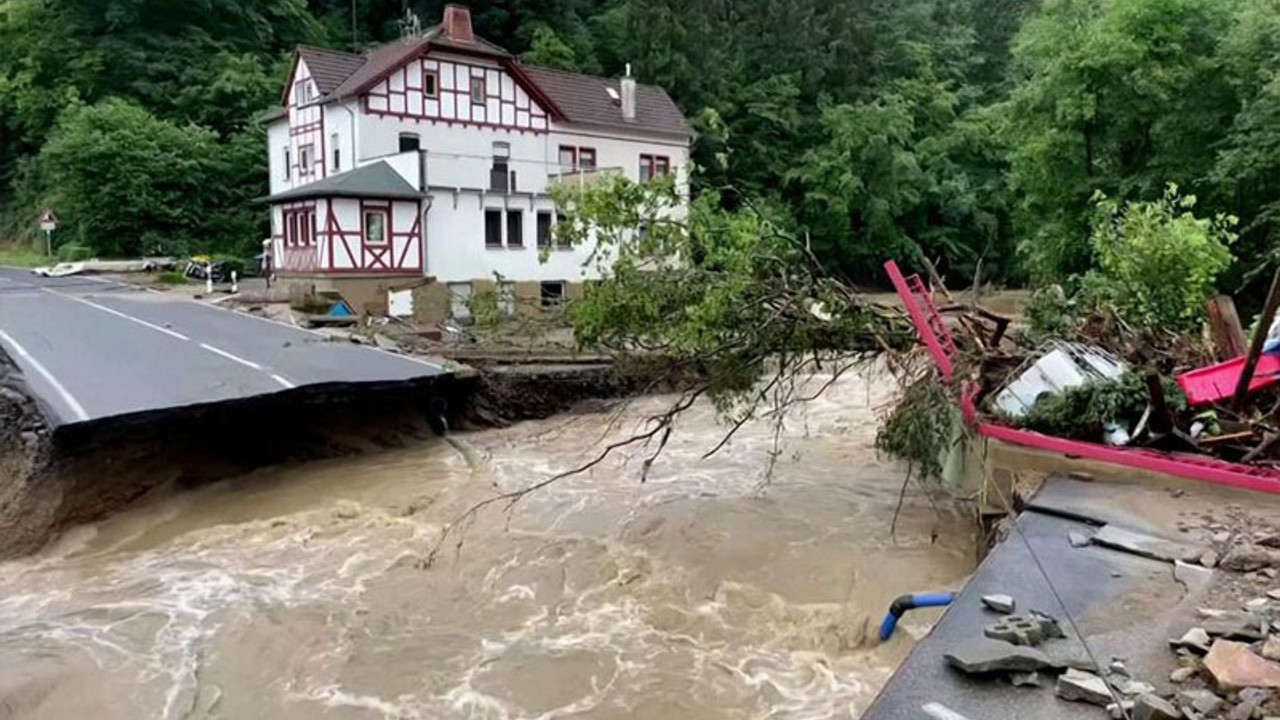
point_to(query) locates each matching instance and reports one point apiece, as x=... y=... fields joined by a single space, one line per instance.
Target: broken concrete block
x=1000 y=603
x=1151 y=707
x=1139 y=544
x=1205 y=702
x=1027 y=679
x=1080 y=686
x=1195 y=639
x=1016 y=629
x=1233 y=666
x=1234 y=626
x=984 y=655
x=1049 y=625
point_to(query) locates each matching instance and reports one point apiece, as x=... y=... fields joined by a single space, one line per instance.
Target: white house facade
x=428 y=162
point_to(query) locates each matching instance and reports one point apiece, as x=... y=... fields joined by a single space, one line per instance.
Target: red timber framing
x=306 y=128
x=350 y=249
x=294 y=244
x=510 y=100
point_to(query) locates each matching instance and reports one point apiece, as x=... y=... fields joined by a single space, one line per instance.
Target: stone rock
x=1152 y=707
x=1266 y=539
x=1077 y=539
x=1194 y=639
x=1271 y=648
x=1233 y=666
x=1117 y=667
x=1192 y=555
x=1256 y=603
x=1205 y=702
x=984 y=655
x=1080 y=686
x=1182 y=674
x=1135 y=687
x=1222 y=537
x=1027 y=679
x=1234 y=625
x=1255 y=695
x=1271 y=573
x=1209 y=559
x=1000 y=603
x=1247 y=557
x=1243 y=711
x=1139 y=544
x=1273 y=594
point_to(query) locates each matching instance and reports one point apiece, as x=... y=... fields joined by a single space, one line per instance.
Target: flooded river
x=301 y=592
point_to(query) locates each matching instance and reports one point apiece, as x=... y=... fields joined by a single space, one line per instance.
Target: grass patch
x=172 y=277
x=23 y=257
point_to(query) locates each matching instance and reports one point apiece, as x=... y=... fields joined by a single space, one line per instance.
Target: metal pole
x=48 y=243
x=208 y=278
x=1259 y=338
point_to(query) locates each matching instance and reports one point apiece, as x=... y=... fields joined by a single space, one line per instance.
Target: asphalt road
x=93 y=349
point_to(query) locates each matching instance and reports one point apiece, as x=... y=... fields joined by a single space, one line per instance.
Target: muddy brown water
x=299 y=592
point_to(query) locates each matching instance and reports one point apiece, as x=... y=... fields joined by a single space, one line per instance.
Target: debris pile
x=1112 y=383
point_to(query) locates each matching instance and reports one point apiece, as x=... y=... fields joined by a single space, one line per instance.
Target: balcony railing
x=580 y=177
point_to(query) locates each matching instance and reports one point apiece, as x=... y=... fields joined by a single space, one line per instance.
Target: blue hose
x=911 y=602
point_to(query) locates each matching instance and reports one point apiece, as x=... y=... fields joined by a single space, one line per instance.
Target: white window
x=375 y=227
x=337 y=152
x=306 y=158
x=477 y=91
x=288 y=163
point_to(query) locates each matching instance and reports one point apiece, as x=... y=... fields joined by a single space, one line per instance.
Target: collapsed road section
x=109 y=391
x=92 y=349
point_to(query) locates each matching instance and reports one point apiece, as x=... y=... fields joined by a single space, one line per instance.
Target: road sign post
x=48 y=223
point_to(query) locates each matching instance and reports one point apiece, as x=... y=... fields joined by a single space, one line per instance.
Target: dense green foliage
x=957 y=130
x=1085 y=412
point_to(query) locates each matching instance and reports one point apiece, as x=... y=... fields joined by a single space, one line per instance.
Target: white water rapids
x=299 y=591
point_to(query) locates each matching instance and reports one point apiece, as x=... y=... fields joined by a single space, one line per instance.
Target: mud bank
x=53 y=479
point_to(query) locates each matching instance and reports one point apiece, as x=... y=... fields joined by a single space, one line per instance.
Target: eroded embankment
x=51 y=480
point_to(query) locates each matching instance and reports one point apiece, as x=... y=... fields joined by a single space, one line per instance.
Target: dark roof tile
x=586 y=99
x=329 y=67
x=378 y=180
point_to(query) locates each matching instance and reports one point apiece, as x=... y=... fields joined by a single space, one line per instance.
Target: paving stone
x=1000 y=603
x=1205 y=702
x=1151 y=707
x=984 y=655
x=1234 y=666
x=1080 y=686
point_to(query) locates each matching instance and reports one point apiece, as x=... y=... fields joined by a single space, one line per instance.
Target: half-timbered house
x=425 y=164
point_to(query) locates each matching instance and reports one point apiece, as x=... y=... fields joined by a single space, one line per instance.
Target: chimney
x=628 y=95
x=457 y=23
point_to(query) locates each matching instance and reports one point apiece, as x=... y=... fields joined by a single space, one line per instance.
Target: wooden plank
x=1225 y=328
x=1259 y=338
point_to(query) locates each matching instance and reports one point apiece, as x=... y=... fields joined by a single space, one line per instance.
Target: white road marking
x=66 y=396
x=229 y=356
x=119 y=314
x=941 y=712
x=282 y=382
